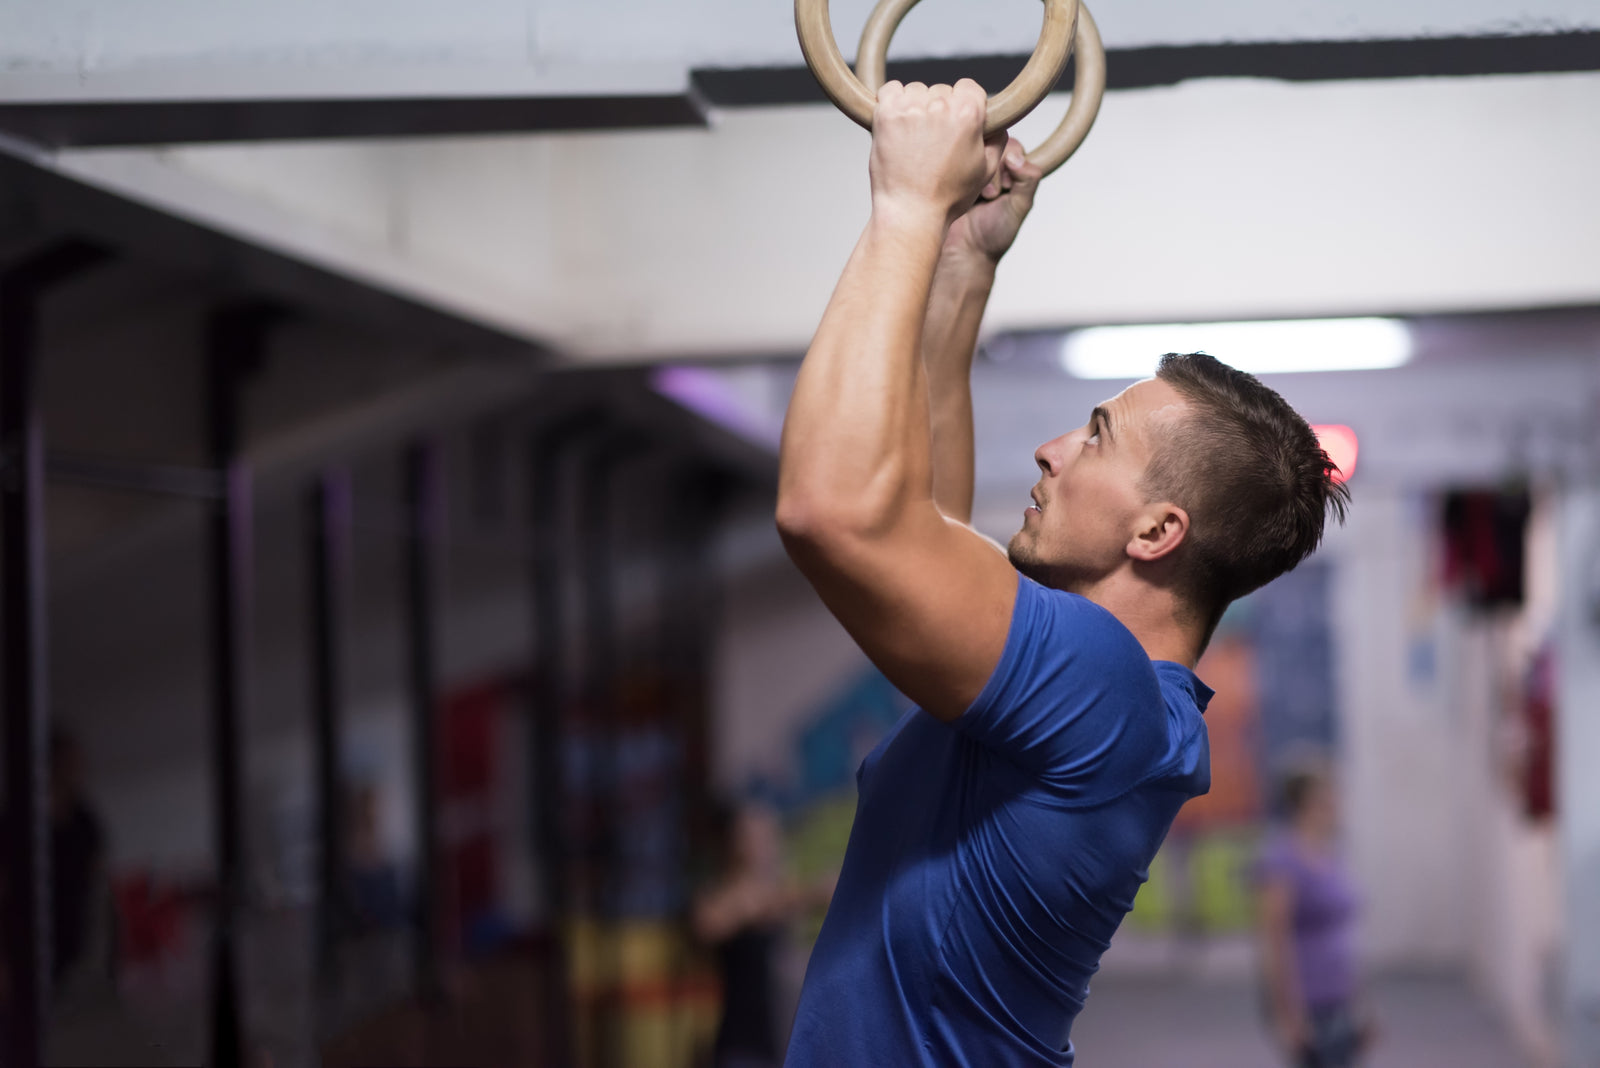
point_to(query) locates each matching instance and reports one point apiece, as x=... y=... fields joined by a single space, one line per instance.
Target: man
x=1005 y=826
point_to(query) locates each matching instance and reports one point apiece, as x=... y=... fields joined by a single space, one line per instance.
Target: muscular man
x=1004 y=827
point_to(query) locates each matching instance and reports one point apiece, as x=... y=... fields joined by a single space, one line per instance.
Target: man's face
x=1088 y=503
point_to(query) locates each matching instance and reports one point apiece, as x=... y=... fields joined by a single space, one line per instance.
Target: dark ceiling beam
x=79 y=124
x=1142 y=68
x=37 y=199
x=137 y=122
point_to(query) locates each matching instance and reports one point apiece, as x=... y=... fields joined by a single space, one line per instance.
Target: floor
x=1166 y=1023
x=1138 y=1016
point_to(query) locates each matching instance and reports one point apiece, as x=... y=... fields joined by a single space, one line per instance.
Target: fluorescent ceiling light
x=1266 y=347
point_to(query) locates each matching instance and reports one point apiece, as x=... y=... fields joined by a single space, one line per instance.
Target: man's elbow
x=803 y=523
x=811 y=524
x=797 y=516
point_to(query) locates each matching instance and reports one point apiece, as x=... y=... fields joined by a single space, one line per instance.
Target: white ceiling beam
x=1217 y=199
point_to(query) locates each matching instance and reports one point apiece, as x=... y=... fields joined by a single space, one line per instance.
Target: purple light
x=707 y=394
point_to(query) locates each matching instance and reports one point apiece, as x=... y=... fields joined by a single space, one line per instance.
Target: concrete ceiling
x=1212 y=199
x=155 y=47
x=1221 y=198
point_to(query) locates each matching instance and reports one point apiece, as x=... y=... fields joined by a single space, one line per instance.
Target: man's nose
x=1048 y=457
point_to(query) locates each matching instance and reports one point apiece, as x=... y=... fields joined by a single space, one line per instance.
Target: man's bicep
x=929 y=603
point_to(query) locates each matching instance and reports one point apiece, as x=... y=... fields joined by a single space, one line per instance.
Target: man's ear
x=1161 y=529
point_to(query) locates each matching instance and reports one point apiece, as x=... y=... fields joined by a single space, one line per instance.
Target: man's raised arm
x=961 y=286
x=927 y=599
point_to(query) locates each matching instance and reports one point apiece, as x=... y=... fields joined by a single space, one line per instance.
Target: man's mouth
x=1037 y=506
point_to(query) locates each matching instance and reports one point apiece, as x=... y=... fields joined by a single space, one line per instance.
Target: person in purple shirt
x=1004 y=826
x=1307 y=917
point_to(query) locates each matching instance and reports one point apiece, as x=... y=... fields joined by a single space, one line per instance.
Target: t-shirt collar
x=1175 y=671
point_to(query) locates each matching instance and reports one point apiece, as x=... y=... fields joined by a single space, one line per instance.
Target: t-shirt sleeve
x=1074 y=699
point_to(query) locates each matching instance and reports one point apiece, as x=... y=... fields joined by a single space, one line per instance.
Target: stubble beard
x=1023 y=552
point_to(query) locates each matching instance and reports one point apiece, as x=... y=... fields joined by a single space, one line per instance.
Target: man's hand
x=990 y=227
x=929 y=155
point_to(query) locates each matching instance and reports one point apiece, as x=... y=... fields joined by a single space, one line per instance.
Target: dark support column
x=424 y=532
x=678 y=522
x=597 y=854
x=597 y=583
x=328 y=542
x=603 y=665
x=548 y=695
x=236 y=341
x=24 y=701
x=689 y=593
x=547 y=685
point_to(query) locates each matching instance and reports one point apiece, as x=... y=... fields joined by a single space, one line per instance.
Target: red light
x=1340 y=443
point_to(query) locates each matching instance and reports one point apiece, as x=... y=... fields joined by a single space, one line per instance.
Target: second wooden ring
x=858 y=101
x=1088 y=88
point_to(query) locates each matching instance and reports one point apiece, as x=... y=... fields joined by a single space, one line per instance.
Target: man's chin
x=1020 y=553
x=1024 y=556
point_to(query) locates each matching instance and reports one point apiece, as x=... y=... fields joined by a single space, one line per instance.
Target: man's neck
x=1154 y=616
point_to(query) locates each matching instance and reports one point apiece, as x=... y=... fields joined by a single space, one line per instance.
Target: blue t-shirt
x=992 y=858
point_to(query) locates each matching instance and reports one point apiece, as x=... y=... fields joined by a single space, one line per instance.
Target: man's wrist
x=972 y=268
x=909 y=216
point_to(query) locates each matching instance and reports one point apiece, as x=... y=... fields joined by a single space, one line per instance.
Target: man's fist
x=988 y=229
x=928 y=148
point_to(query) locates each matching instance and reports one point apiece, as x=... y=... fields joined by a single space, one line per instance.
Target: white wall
x=1404 y=755
x=1508 y=869
x=1454 y=877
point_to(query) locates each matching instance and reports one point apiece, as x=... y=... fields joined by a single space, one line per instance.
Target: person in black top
x=80 y=905
x=742 y=914
x=82 y=957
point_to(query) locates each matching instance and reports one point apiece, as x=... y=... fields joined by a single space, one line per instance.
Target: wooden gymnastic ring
x=1089 y=82
x=858 y=101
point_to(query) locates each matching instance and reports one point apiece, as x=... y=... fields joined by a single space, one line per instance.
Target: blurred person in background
x=1308 y=912
x=82 y=921
x=741 y=914
x=81 y=913
x=377 y=891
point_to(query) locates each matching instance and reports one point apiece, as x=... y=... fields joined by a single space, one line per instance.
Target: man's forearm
x=856 y=441
x=960 y=293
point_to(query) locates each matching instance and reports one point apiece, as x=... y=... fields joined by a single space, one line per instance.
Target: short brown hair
x=1249 y=470
x=1306 y=771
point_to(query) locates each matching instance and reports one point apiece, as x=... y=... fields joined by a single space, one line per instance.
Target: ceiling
x=94 y=47
x=1214 y=199
x=720 y=235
